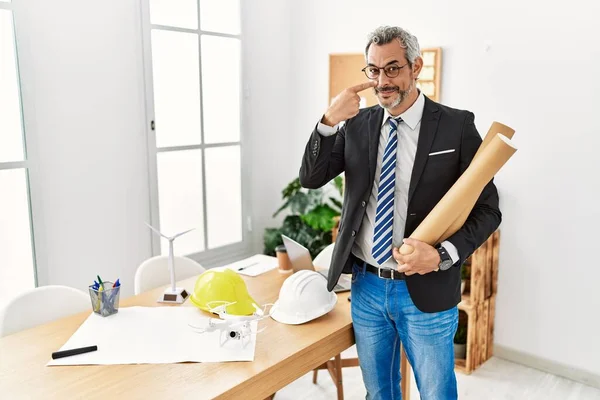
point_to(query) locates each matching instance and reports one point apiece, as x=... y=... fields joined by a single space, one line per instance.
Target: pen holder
x=105 y=302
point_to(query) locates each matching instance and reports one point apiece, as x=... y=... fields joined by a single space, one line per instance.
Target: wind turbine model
x=172 y=294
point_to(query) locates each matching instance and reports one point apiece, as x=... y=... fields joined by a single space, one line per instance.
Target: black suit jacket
x=353 y=150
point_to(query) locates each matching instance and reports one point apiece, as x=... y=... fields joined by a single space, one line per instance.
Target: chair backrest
x=154 y=272
x=323 y=259
x=40 y=305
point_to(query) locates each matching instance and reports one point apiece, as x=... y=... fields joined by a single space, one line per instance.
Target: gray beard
x=402 y=95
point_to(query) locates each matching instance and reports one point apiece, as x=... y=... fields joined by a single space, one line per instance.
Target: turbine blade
x=182 y=233
x=156 y=230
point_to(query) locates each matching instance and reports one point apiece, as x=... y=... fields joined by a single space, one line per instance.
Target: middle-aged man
x=399 y=158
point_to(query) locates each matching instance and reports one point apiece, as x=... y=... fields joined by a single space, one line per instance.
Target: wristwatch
x=445 y=259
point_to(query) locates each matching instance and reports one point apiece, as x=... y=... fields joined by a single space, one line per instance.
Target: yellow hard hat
x=214 y=288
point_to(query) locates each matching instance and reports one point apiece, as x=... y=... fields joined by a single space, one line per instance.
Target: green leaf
x=460 y=337
x=337 y=203
x=319 y=242
x=309 y=220
x=299 y=203
x=339 y=184
x=271 y=239
x=283 y=207
x=296 y=229
x=291 y=222
x=289 y=194
x=315 y=198
x=321 y=218
x=291 y=189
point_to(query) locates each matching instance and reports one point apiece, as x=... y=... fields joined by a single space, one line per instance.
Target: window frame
x=208 y=257
x=26 y=164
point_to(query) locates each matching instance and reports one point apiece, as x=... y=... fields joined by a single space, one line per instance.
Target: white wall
x=268 y=108
x=82 y=84
x=540 y=77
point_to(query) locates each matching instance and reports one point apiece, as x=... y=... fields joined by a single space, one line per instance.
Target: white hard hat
x=302 y=298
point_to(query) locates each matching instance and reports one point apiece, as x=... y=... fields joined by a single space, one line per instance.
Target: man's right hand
x=346 y=104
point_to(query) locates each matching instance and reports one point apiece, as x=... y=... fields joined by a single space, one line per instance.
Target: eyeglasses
x=391 y=71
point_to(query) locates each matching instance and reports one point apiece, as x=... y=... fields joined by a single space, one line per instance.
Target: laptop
x=301 y=259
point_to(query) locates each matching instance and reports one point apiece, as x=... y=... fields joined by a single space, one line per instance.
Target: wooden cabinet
x=478 y=305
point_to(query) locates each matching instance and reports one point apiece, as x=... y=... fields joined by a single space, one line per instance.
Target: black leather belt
x=383 y=273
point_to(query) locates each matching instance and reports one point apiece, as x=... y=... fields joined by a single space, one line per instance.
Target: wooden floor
x=495 y=380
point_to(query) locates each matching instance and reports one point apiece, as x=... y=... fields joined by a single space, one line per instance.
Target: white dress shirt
x=408 y=137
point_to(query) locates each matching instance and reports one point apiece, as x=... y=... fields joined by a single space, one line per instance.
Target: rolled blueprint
x=495 y=128
x=469 y=203
x=470 y=185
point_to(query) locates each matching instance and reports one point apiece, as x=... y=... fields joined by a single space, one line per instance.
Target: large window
x=193 y=80
x=17 y=261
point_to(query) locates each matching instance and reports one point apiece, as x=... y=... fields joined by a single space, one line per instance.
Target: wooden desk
x=283 y=354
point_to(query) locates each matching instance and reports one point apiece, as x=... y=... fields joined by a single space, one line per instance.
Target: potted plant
x=311 y=216
x=460 y=342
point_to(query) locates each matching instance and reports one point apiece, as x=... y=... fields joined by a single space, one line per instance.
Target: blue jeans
x=383 y=315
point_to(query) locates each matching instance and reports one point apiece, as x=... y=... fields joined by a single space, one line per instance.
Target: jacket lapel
x=375 y=121
x=429 y=124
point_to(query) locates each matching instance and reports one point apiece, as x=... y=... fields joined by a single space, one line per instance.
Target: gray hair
x=385 y=34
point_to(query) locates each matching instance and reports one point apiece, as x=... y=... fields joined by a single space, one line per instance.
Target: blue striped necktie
x=384 y=217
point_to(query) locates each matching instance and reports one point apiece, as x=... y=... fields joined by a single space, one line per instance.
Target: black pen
x=247 y=266
x=72 y=352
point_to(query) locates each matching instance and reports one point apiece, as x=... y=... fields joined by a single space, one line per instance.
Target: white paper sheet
x=154 y=335
x=253 y=266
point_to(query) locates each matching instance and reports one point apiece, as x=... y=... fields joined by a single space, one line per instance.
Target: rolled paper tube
x=495 y=128
x=470 y=183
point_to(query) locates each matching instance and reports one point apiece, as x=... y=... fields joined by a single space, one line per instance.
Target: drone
x=233 y=327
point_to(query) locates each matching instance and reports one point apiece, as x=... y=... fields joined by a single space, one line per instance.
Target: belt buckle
x=379 y=273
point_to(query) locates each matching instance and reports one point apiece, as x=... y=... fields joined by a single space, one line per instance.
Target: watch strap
x=444 y=257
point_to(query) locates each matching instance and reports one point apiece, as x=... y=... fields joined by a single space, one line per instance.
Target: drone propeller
x=260 y=330
x=262 y=312
x=213 y=323
x=221 y=308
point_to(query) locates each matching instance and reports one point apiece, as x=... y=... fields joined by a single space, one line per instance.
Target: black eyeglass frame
x=385 y=70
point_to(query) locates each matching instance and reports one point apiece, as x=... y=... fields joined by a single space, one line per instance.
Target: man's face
x=391 y=92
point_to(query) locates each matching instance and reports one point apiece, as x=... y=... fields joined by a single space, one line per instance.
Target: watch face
x=446 y=264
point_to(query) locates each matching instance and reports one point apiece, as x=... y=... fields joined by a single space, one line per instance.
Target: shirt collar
x=412 y=116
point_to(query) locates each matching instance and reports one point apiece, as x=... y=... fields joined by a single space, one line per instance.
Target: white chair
x=323 y=259
x=154 y=272
x=40 y=305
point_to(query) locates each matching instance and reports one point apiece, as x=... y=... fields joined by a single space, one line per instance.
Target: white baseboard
x=552 y=367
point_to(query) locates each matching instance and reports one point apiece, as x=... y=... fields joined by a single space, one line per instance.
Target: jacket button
x=353 y=233
x=364 y=203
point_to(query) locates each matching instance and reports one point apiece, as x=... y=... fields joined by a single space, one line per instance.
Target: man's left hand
x=423 y=260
